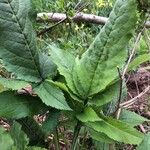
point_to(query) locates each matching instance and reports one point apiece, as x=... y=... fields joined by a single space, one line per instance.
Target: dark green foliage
x=18 y=43
x=47 y=67
x=16 y=139
x=34 y=132
x=17 y=40
x=19 y=137
x=19 y=106
x=51 y=122
x=51 y=95
x=13 y=84
x=38 y=134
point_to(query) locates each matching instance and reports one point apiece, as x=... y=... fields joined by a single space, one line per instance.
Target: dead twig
x=133 y=100
x=79 y=17
x=142 y=128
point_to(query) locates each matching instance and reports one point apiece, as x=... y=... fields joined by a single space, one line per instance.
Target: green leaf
x=63 y=87
x=114 y=129
x=13 y=84
x=97 y=67
x=139 y=60
x=34 y=131
x=101 y=146
x=142 y=47
x=38 y=133
x=145 y=145
x=19 y=137
x=111 y=107
x=6 y=141
x=131 y=118
x=47 y=67
x=106 y=96
x=17 y=40
x=98 y=136
x=51 y=121
x=17 y=106
x=88 y=115
x=65 y=62
x=51 y=95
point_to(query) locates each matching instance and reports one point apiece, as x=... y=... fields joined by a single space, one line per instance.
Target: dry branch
x=133 y=100
x=79 y=17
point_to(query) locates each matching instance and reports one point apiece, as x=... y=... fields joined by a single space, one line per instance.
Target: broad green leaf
x=34 y=131
x=13 y=84
x=131 y=118
x=114 y=129
x=109 y=94
x=6 y=141
x=51 y=95
x=65 y=62
x=88 y=115
x=98 y=136
x=19 y=137
x=145 y=145
x=17 y=40
x=97 y=67
x=47 y=67
x=139 y=60
x=18 y=106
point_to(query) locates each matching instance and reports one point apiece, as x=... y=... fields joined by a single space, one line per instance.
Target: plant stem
x=75 y=135
x=111 y=146
x=56 y=139
x=84 y=139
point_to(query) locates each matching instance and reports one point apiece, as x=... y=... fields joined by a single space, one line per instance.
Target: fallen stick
x=133 y=100
x=79 y=17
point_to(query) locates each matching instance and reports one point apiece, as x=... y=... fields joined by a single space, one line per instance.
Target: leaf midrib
x=117 y=128
x=96 y=66
x=25 y=39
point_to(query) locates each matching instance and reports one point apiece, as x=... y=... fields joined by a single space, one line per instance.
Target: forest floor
x=137 y=82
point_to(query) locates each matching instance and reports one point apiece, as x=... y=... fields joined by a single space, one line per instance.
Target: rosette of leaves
x=90 y=81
